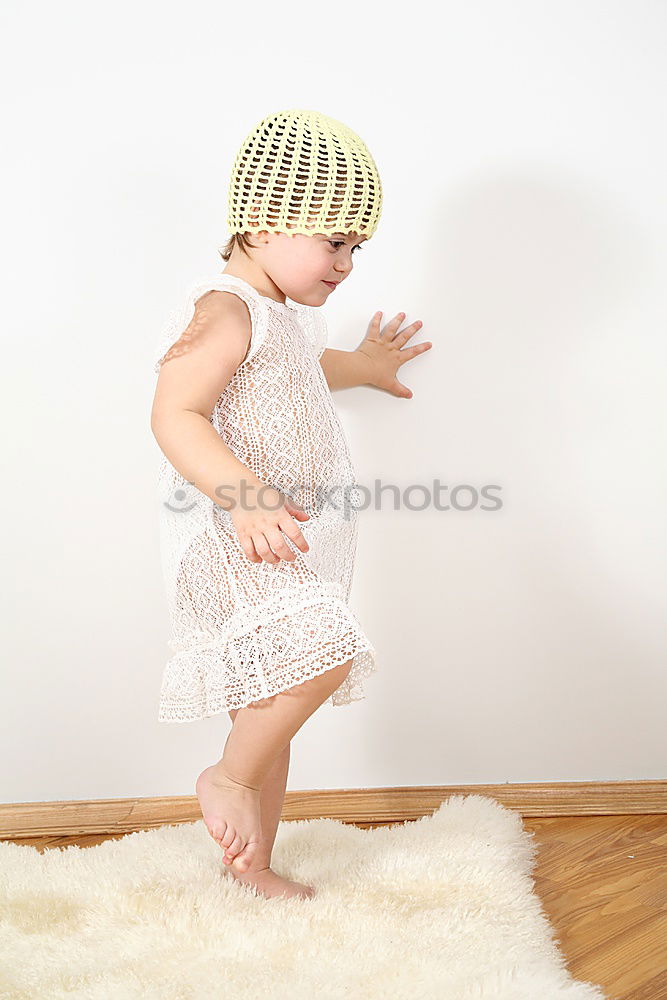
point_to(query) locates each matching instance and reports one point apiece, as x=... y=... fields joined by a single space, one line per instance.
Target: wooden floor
x=603 y=885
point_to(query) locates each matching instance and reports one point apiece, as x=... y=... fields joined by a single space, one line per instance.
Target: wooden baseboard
x=349 y=805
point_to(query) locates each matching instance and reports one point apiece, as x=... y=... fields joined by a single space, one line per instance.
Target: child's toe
x=246 y=857
x=230 y=836
x=235 y=846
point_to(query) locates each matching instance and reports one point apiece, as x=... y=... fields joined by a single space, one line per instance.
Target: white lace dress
x=243 y=631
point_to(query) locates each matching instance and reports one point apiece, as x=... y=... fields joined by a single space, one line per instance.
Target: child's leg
x=229 y=791
x=260 y=873
x=272 y=797
x=264 y=728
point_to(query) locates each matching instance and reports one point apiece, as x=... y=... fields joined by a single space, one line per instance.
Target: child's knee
x=318 y=688
x=333 y=678
x=345 y=668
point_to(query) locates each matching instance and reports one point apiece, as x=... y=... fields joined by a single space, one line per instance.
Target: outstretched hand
x=384 y=349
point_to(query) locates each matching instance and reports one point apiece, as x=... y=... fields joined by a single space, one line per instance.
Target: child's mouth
x=331 y=284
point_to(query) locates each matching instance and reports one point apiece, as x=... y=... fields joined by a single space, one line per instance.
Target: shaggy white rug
x=439 y=909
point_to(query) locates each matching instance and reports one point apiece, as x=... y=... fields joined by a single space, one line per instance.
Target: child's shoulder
x=219 y=303
x=221 y=291
x=209 y=309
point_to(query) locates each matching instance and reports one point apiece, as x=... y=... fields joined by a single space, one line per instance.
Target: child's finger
x=263 y=547
x=297 y=511
x=293 y=532
x=249 y=548
x=409 y=331
x=402 y=390
x=279 y=545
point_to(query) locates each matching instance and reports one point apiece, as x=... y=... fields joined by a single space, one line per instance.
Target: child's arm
x=344 y=369
x=376 y=360
x=193 y=376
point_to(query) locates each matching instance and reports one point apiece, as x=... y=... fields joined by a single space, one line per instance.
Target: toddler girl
x=258 y=499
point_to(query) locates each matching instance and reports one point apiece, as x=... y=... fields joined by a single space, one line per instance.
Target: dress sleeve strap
x=180 y=317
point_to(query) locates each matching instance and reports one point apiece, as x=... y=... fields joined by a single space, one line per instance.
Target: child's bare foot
x=232 y=814
x=269 y=884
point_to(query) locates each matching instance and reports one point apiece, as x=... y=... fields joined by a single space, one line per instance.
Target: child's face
x=302 y=265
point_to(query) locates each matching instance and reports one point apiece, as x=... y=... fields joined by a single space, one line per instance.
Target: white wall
x=521 y=147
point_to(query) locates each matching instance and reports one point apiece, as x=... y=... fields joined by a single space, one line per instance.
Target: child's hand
x=383 y=350
x=260 y=526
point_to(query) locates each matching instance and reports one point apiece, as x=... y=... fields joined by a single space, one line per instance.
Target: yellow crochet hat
x=300 y=171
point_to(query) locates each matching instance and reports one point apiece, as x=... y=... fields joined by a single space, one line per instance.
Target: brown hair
x=241 y=240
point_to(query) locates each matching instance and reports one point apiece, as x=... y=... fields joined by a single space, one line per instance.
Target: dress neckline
x=267 y=298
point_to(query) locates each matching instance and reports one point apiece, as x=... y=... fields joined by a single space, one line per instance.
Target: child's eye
x=339 y=243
